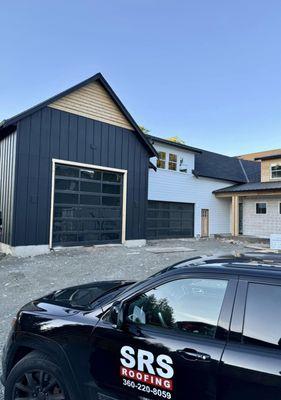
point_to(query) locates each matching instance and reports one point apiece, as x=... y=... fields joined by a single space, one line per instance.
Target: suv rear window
x=262 y=323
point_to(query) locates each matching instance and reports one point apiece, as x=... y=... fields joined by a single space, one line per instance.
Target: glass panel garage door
x=170 y=220
x=87 y=206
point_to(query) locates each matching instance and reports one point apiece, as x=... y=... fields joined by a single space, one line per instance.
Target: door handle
x=194 y=355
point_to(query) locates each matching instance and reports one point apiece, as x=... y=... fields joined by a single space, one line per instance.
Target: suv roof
x=255 y=264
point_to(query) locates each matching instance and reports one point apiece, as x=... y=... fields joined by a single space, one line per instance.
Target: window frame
x=178 y=163
x=261 y=213
x=223 y=324
x=164 y=160
x=172 y=162
x=270 y=169
x=239 y=308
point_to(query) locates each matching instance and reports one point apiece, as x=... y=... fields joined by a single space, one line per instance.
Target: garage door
x=87 y=206
x=170 y=220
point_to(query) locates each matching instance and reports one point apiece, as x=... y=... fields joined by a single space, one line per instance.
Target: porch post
x=235 y=215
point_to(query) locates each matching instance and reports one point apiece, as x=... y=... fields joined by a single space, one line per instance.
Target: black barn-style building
x=74 y=171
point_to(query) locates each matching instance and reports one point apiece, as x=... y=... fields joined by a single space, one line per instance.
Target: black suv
x=200 y=329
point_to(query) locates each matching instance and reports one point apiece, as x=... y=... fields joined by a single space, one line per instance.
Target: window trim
x=270 y=171
x=173 y=162
x=87 y=166
x=261 y=202
x=164 y=160
x=167 y=161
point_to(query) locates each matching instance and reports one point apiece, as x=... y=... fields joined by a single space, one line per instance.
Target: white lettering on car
x=142 y=366
x=145 y=359
x=165 y=363
x=128 y=360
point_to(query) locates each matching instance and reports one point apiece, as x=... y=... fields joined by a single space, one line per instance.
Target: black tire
x=33 y=371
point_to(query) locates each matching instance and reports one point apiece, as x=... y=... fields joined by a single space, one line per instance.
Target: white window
x=161 y=162
x=275 y=171
x=173 y=160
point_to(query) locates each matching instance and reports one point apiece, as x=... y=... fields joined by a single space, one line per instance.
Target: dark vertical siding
x=50 y=133
x=7 y=179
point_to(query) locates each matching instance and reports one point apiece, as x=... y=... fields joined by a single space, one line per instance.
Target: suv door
x=251 y=363
x=171 y=344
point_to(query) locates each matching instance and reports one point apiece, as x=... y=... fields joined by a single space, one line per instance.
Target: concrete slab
x=158 y=250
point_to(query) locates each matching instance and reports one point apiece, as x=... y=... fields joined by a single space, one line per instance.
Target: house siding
x=266 y=170
x=93 y=101
x=50 y=133
x=261 y=225
x=166 y=185
x=7 y=179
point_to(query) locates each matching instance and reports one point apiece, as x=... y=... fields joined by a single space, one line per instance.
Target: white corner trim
x=124 y=208
x=90 y=166
x=135 y=243
x=84 y=165
x=24 y=251
x=52 y=204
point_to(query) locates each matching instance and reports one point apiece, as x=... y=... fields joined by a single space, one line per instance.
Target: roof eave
x=272 y=157
x=231 y=192
x=175 y=144
x=198 y=174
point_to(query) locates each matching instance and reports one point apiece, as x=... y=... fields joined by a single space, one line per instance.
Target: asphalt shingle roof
x=249 y=187
x=219 y=166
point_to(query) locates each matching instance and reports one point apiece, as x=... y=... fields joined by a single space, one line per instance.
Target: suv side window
x=187 y=305
x=262 y=325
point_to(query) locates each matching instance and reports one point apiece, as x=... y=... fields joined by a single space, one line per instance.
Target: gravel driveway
x=24 y=279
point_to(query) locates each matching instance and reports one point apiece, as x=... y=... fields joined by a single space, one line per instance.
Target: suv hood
x=85 y=297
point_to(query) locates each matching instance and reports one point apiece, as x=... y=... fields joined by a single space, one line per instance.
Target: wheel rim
x=38 y=385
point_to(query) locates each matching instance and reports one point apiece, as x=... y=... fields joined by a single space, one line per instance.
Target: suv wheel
x=36 y=377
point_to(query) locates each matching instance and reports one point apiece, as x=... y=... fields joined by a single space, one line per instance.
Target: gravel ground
x=24 y=279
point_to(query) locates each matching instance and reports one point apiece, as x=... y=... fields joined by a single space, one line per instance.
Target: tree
x=145 y=130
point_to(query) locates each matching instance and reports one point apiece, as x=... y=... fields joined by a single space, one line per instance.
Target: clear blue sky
x=207 y=71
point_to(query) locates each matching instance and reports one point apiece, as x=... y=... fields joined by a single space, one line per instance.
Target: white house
x=180 y=191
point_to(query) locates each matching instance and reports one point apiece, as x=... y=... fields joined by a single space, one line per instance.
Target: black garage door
x=87 y=206
x=170 y=220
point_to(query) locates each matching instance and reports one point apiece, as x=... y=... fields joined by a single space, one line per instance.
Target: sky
x=206 y=71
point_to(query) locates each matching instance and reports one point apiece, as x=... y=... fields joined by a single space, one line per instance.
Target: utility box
x=275 y=241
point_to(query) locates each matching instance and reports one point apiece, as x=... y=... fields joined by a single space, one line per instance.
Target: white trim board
x=90 y=166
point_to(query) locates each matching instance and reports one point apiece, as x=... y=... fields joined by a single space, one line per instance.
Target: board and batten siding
x=93 y=101
x=166 y=185
x=50 y=133
x=7 y=180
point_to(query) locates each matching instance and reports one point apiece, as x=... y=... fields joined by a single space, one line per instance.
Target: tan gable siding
x=93 y=101
x=265 y=169
x=252 y=156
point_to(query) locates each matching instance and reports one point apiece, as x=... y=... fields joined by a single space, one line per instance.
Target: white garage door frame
x=89 y=166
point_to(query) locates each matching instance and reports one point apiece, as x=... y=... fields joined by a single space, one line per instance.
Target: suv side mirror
x=116 y=314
